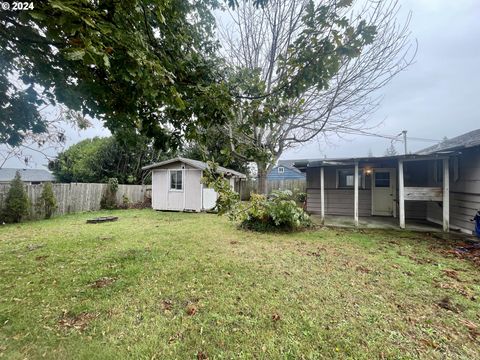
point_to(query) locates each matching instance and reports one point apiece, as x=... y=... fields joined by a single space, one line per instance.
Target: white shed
x=177 y=186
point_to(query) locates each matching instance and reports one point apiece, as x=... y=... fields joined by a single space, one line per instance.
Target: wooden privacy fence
x=78 y=197
x=250 y=185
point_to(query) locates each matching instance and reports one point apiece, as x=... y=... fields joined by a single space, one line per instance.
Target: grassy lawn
x=187 y=286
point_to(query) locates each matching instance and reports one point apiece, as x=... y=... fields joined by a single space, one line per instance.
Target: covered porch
x=407 y=191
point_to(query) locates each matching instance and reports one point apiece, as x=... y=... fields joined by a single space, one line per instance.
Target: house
x=177 y=186
x=29 y=176
x=440 y=184
x=285 y=170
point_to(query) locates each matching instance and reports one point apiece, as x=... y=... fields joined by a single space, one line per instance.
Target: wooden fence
x=250 y=185
x=78 y=197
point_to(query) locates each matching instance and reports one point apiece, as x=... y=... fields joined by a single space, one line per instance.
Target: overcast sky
x=437 y=96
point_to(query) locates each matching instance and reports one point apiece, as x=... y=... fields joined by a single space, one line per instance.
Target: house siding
x=286 y=175
x=464 y=193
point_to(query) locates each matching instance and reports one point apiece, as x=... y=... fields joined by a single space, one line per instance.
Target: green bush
x=47 y=202
x=16 y=202
x=109 y=197
x=277 y=212
x=301 y=197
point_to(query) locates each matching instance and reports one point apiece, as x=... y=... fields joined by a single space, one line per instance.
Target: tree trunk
x=262 y=178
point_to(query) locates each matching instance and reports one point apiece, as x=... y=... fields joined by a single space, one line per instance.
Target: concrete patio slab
x=377 y=222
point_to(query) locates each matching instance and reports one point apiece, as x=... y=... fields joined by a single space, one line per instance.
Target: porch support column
x=355 y=186
x=401 y=194
x=446 y=196
x=322 y=195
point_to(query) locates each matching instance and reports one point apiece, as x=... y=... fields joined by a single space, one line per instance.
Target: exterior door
x=383 y=192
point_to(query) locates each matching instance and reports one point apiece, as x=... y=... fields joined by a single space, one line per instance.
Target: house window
x=346 y=178
x=281 y=169
x=438 y=171
x=454 y=169
x=176 y=182
x=382 y=179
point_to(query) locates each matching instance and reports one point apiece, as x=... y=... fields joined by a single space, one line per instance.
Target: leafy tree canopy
x=135 y=64
x=98 y=159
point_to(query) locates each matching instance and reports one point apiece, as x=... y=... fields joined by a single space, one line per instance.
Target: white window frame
x=281 y=170
x=170 y=180
x=361 y=179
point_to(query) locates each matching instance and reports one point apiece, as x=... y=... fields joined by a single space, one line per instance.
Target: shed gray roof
x=27 y=175
x=194 y=163
x=467 y=140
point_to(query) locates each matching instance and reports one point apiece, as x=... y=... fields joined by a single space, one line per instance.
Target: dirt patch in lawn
x=103 y=282
x=78 y=322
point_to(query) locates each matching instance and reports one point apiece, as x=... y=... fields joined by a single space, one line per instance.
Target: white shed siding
x=189 y=198
x=193 y=190
x=159 y=186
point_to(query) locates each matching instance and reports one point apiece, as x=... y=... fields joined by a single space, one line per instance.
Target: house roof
x=27 y=175
x=194 y=163
x=304 y=164
x=466 y=140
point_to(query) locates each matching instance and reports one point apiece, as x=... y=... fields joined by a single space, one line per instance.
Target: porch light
x=368 y=171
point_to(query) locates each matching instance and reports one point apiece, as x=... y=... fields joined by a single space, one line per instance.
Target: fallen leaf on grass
x=167 y=305
x=276 y=317
x=191 y=309
x=473 y=330
x=363 y=269
x=202 y=355
x=451 y=274
x=173 y=338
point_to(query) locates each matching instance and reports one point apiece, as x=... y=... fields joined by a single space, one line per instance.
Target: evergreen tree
x=47 y=202
x=16 y=203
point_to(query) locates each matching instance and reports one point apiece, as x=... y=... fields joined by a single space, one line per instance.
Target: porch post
x=446 y=196
x=322 y=194
x=401 y=194
x=355 y=210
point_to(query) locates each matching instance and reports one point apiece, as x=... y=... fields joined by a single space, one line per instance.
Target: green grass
x=317 y=294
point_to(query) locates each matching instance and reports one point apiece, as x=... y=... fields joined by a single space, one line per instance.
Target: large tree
x=303 y=68
x=135 y=64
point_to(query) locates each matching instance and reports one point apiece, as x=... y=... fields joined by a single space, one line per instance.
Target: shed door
x=383 y=191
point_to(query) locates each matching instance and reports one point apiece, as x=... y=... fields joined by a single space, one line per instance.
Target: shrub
x=109 y=197
x=47 y=202
x=277 y=212
x=16 y=202
x=301 y=197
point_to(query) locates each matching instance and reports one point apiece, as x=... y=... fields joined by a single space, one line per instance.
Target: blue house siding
x=288 y=174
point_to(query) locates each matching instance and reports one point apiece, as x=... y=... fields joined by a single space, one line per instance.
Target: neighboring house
x=285 y=171
x=29 y=176
x=440 y=184
x=176 y=185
